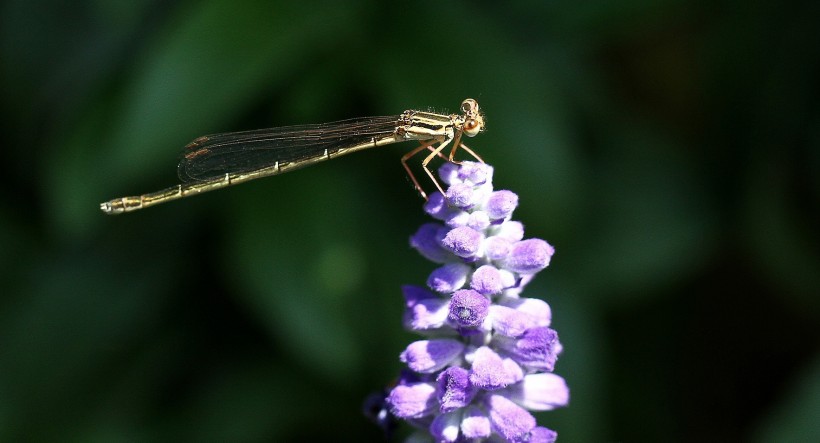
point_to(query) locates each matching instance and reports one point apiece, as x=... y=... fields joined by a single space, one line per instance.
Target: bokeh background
x=668 y=149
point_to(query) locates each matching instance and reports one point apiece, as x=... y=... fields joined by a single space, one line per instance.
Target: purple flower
x=501 y=204
x=430 y=313
x=510 y=322
x=478 y=220
x=498 y=247
x=463 y=241
x=438 y=208
x=540 y=392
x=490 y=372
x=453 y=388
x=542 y=435
x=448 y=278
x=511 y=230
x=534 y=308
x=445 y=427
x=461 y=195
x=490 y=352
x=475 y=424
x=487 y=280
x=428 y=356
x=468 y=308
x=427 y=241
x=508 y=419
x=537 y=348
x=529 y=256
x=412 y=401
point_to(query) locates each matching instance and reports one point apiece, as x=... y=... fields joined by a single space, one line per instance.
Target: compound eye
x=469 y=105
x=471 y=127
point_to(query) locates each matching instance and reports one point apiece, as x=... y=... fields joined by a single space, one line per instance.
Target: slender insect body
x=216 y=161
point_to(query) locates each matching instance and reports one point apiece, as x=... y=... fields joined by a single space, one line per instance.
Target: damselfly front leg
x=469 y=151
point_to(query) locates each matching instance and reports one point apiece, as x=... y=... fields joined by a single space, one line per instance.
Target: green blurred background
x=668 y=149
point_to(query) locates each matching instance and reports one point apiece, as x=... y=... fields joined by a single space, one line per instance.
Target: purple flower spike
x=428 y=356
x=448 y=278
x=529 y=256
x=508 y=419
x=501 y=204
x=490 y=352
x=487 y=280
x=453 y=389
x=463 y=241
x=468 y=308
x=475 y=424
x=412 y=401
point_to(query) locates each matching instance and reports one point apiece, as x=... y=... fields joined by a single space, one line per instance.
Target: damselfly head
x=473 y=119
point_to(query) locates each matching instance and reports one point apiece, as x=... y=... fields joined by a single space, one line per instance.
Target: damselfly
x=220 y=160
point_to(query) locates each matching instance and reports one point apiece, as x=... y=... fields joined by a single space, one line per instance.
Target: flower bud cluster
x=488 y=354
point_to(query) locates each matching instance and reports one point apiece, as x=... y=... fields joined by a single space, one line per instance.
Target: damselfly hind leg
x=427 y=160
x=434 y=152
x=424 y=145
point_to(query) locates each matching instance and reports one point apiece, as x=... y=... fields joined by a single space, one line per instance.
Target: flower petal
x=412 y=401
x=463 y=241
x=413 y=294
x=541 y=434
x=487 y=280
x=529 y=256
x=537 y=348
x=501 y=204
x=475 y=424
x=453 y=389
x=445 y=427
x=427 y=356
x=436 y=206
x=508 y=419
x=490 y=372
x=540 y=392
x=511 y=230
x=426 y=314
x=427 y=241
x=448 y=278
x=460 y=195
x=497 y=247
x=478 y=220
x=537 y=309
x=510 y=322
x=468 y=308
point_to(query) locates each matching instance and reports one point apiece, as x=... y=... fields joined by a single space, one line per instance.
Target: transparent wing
x=215 y=155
